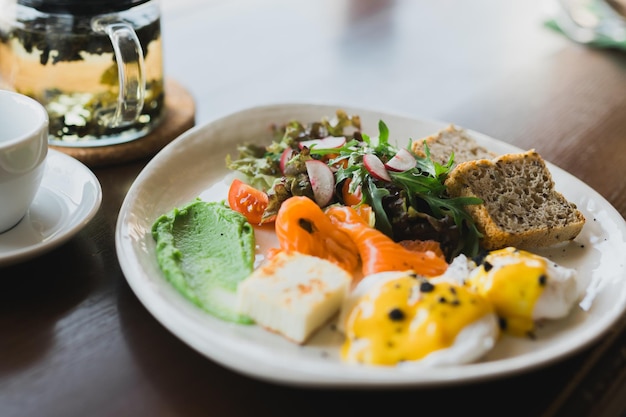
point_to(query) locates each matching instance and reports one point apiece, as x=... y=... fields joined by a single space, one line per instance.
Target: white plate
x=193 y=165
x=69 y=197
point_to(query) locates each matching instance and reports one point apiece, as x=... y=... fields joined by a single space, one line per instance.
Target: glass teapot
x=96 y=65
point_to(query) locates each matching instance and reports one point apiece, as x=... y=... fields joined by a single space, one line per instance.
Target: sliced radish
x=375 y=167
x=322 y=181
x=402 y=161
x=329 y=142
x=284 y=158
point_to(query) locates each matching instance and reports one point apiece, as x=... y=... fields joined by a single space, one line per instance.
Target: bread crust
x=521 y=207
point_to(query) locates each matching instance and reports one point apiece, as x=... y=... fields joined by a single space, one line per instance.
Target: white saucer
x=69 y=197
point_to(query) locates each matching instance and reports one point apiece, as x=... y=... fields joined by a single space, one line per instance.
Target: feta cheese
x=293 y=294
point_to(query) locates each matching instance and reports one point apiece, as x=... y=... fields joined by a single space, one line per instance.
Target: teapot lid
x=81 y=7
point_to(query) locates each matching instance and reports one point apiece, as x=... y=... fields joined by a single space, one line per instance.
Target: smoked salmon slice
x=424 y=245
x=301 y=226
x=380 y=253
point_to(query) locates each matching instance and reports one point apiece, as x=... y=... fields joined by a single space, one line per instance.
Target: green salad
x=333 y=162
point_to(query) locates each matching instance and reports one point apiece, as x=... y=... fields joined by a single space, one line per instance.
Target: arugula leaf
x=453 y=207
x=374 y=197
x=414 y=181
x=433 y=168
x=383 y=132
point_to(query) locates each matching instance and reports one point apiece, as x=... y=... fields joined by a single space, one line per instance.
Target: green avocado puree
x=205 y=249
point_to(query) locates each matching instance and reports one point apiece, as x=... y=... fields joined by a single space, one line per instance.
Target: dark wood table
x=74 y=339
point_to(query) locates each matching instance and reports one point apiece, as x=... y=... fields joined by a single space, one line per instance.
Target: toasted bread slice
x=443 y=143
x=521 y=207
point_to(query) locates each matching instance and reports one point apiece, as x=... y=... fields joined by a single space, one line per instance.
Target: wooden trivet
x=179 y=116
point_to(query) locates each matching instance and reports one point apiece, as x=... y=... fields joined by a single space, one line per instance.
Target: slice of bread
x=521 y=207
x=448 y=140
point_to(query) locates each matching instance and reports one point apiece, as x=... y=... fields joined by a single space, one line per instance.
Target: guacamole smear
x=204 y=250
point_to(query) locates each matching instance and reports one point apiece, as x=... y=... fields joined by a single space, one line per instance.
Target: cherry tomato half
x=248 y=201
x=351 y=198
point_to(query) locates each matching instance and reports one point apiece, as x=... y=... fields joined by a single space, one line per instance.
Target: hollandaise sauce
x=512 y=280
x=407 y=318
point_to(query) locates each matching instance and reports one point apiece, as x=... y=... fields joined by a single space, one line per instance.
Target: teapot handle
x=131 y=71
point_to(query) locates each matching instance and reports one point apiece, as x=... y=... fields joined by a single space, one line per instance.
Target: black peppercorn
x=426 y=287
x=396 y=314
x=542 y=280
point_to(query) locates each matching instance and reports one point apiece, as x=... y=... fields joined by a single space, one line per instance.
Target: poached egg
x=524 y=288
x=400 y=318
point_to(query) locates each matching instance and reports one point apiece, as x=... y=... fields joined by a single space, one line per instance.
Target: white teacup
x=23 y=150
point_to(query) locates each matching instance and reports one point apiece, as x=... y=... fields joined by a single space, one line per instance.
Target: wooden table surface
x=74 y=339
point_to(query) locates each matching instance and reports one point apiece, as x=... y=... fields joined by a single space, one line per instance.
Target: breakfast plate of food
x=328 y=246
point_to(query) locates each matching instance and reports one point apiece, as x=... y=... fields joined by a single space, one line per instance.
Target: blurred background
x=429 y=58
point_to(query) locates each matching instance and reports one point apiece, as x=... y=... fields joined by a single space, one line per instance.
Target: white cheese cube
x=293 y=294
